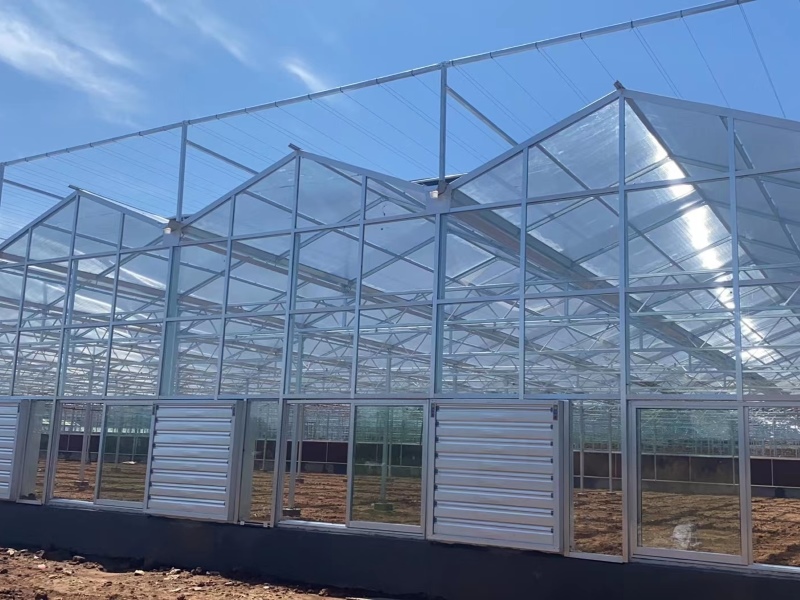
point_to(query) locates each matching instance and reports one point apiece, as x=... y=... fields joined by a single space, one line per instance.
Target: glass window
x=98 y=227
x=14 y=252
x=322 y=353
x=216 y=223
x=258 y=465
x=259 y=274
x=92 y=290
x=45 y=294
x=765 y=147
x=8 y=349
x=126 y=450
x=385 y=199
x=387 y=465
x=201 y=279
x=315 y=475
x=10 y=296
x=37 y=363
x=138 y=232
x=37 y=442
x=482 y=253
x=267 y=204
x=498 y=184
x=78 y=439
x=327 y=194
x=196 y=357
x=689 y=480
x=572 y=345
x=327 y=268
x=135 y=359
x=85 y=361
x=142 y=286
x=52 y=238
x=252 y=358
x=595 y=428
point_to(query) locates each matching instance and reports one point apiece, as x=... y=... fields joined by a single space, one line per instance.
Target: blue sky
x=74 y=71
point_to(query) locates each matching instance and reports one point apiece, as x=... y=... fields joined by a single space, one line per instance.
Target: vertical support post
x=386 y=450
x=294 y=460
x=523 y=270
x=442 y=128
x=626 y=448
x=2 y=181
x=87 y=438
x=182 y=171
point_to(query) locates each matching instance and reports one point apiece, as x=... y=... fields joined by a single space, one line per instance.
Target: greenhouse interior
x=586 y=345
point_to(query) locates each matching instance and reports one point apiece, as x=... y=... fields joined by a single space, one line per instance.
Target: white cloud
x=38 y=52
x=196 y=15
x=313 y=81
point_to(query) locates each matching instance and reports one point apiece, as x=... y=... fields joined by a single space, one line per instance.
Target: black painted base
x=388 y=566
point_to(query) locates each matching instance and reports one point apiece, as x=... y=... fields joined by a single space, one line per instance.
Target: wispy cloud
x=312 y=80
x=40 y=52
x=196 y=15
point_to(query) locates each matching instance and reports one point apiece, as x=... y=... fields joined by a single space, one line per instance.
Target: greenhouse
x=586 y=346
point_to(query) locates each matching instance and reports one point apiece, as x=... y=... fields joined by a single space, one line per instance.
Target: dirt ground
x=776 y=524
x=27 y=575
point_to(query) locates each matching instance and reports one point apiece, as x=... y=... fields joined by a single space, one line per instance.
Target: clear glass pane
x=266 y=205
x=762 y=147
x=142 y=286
x=85 y=357
x=10 y=296
x=394 y=351
x=500 y=183
x=327 y=194
x=37 y=363
x=679 y=234
x=480 y=348
x=126 y=449
x=197 y=356
x=387 y=467
x=258 y=466
x=201 y=279
x=52 y=238
x=45 y=295
x=572 y=244
x=547 y=175
x=7 y=352
x=135 y=360
x=34 y=462
x=259 y=274
x=682 y=341
x=79 y=427
x=482 y=253
x=98 y=227
x=327 y=268
x=322 y=353
x=775 y=488
x=688 y=463
x=214 y=224
x=315 y=474
x=572 y=345
x=252 y=359
x=138 y=233
x=385 y=199
x=92 y=290
x=14 y=252
x=595 y=427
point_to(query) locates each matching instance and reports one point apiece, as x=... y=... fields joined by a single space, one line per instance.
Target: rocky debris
x=41 y=596
x=78 y=559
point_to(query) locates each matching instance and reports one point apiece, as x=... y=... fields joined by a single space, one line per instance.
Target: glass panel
x=597 y=477
x=679 y=234
x=126 y=449
x=327 y=194
x=394 y=351
x=398 y=261
x=92 y=290
x=34 y=461
x=10 y=296
x=500 y=183
x=98 y=228
x=572 y=345
x=480 y=348
x=482 y=253
x=770 y=339
x=682 y=341
x=267 y=204
x=201 y=279
x=688 y=478
x=14 y=252
x=315 y=473
x=387 y=465
x=322 y=353
x=7 y=352
x=259 y=274
x=547 y=175
x=385 y=199
x=214 y=224
x=665 y=142
x=258 y=467
x=135 y=359
x=765 y=147
x=252 y=359
x=84 y=368
x=45 y=291
x=327 y=268
x=138 y=233
x=768 y=208
x=197 y=357
x=775 y=486
x=52 y=238
x=79 y=427
x=142 y=286
x=37 y=363
x=573 y=244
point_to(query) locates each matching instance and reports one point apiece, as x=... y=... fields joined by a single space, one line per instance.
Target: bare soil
x=597 y=524
x=40 y=576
